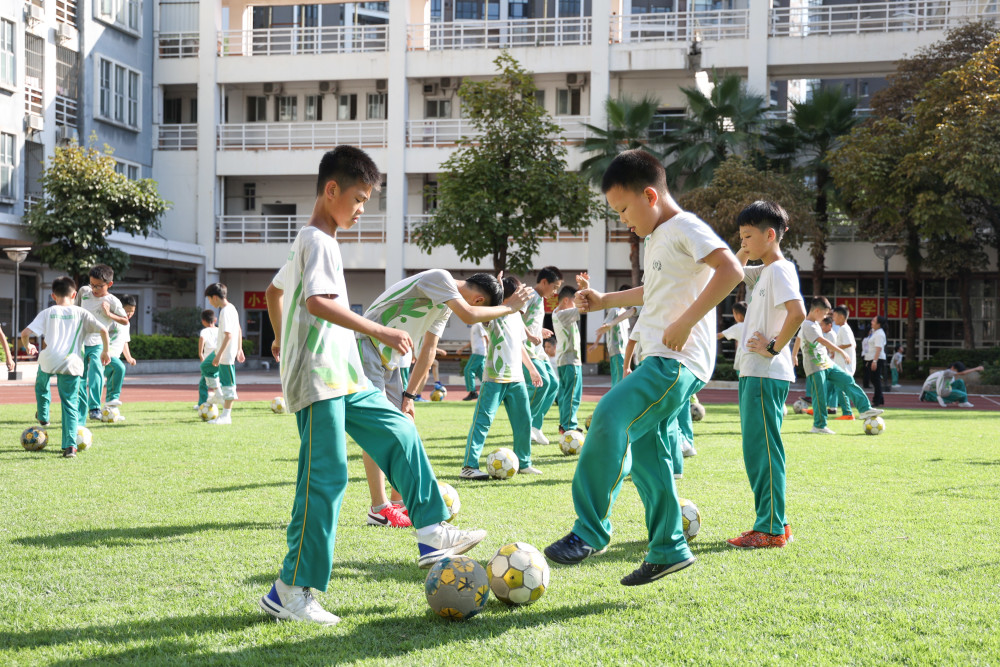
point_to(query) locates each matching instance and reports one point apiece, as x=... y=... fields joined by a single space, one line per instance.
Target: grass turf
x=154 y=545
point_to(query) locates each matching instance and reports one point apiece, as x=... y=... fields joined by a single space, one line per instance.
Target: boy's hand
x=757 y=343
x=676 y=335
x=396 y=339
x=536 y=379
x=215 y=362
x=106 y=307
x=547 y=333
x=105 y=358
x=588 y=300
x=276 y=350
x=441 y=353
x=240 y=356
x=31 y=350
x=583 y=280
x=406 y=407
x=534 y=340
x=603 y=329
x=130 y=361
x=593 y=346
x=626 y=369
x=10 y=364
x=519 y=299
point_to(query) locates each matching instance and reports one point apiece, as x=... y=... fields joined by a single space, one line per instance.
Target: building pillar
x=600 y=90
x=757 y=81
x=395 y=168
x=209 y=103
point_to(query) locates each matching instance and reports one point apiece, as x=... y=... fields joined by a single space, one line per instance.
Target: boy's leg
x=69 y=391
x=670 y=434
x=617 y=367
x=817 y=382
x=570 y=392
x=686 y=426
x=43 y=396
x=227 y=384
x=490 y=396
x=114 y=376
x=515 y=401
x=542 y=397
x=576 y=397
x=473 y=369
x=763 y=451
x=844 y=382
x=210 y=373
x=202 y=390
x=94 y=372
x=895 y=376
x=958 y=394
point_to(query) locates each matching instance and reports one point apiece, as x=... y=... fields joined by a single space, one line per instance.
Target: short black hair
x=487 y=285
x=740 y=307
x=102 y=272
x=622 y=288
x=958 y=366
x=549 y=273
x=510 y=285
x=567 y=291
x=129 y=300
x=347 y=165
x=764 y=215
x=883 y=321
x=63 y=286
x=635 y=170
x=819 y=302
x=842 y=310
x=208 y=315
x=828 y=320
x=216 y=289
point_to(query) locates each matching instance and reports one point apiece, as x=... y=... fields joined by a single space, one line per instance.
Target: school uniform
x=567 y=326
x=540 y=398
x=473 y=371
x=821 y=372
x=92 y=385
x=114 y=372
x=615 y=339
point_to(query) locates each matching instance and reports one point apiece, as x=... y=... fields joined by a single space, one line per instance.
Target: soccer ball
x=110 y=414
x=518 y=574
x=277 y=405
x=84 y=438
x=208 y=411
x=697 y=412
x=571 y=442
x=451 y=500
x=690 y=517
x=586 y=422
x=502 y=464
x=874 y=426
x=799 y=406
x=34 y=439
x=439 y=394
x=457 y=588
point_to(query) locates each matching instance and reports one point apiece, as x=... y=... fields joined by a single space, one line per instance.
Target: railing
x=498 y=34
x=67 y=110
x=304 y=40
x=286 y=136
x=283 y=228
x=66 y=12
x=412 y=223
x=177 y=137
x=436 y=132
x=875 y=17
x=177 y=44
x=681 y=26
x=32 y=200
x=33 y=99
x=778 y=116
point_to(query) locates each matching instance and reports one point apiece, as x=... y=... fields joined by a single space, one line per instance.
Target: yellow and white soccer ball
x=799 y=406
x=571 y=442
x=84 y=438
x=34 y=439
x=457 y=588
x=690 y=517
x=110 y=414
x=874 y=426
x=518 y=574
x=439 y=394
x=208 y=411
x=277 y=405
x=502 y=464
x=697 y=411
x=451 y=500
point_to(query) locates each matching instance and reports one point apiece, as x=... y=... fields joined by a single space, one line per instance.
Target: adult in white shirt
x=875 y=358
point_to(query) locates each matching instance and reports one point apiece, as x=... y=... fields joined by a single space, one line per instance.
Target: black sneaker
x=647 y=573
x=473 y=395
x=571 y=550
x=94 y=414
x=473 y=473
x=69 y=453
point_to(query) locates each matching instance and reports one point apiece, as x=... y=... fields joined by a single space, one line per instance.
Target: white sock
x=379 y=508
x=227 y=412
x=398 y=503
x=428 y=530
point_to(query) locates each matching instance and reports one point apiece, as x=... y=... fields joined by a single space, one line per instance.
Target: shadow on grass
x=949 y=571
x=981 y=462
x=405 y=571
x=244 y=487
x=115 y=537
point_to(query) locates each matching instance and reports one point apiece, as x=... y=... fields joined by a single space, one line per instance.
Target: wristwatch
x=410 y=396
x=770 y=348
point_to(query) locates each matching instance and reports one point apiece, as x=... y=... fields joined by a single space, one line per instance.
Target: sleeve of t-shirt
x=91 y=325
x=811 y=331
x=700 y=239
x=568 y=316
x=785 y=283
x=37 y=325
x=320 y=265
x=124 y=335
x=733 y=332
x=438 y=286
x=279 y=278
x=751 y=274
x=440 y=322
x=116 y=306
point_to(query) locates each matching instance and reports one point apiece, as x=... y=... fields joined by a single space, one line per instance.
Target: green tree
x=84 y=202
x=629 y=123
x=504 y=191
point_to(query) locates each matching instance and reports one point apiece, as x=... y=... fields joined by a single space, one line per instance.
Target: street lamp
x=16 y=255
x=885 y=251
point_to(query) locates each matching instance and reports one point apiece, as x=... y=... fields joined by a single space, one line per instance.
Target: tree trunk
x=913 y=259
x=500 y=258
x=964 y=287
x=633 y=257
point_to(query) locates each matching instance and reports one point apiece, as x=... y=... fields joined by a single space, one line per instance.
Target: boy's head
x=102 y=278
x=958 y=367
x=762 y=225
x=566 y=295
x=840 y=314
x=899 y=349
x=129 y=305
x=635 y=185
x=208 y=317
x=819 y=307
x=482 y=289
x=347 y=177
x=548 y=282
x=63 y=287
x=740 y=310
x=826 y=324
x=216 y=294
x=549 y=344
x=510 y=285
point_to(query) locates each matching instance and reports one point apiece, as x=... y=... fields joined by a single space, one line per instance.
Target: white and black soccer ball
x=571 y=442
x=110 y=414
x=690 y=517
x=502 y=464
x=518 y=574
x=278 y=405
x=208 y=411
x=84 y=438
x=799 y=406
x=874 y=426
x=451 y=500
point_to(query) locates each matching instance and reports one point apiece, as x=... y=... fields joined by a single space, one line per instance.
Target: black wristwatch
x=770 y=348
x=410 y=396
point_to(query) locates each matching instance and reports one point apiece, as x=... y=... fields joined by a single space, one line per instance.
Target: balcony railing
x=412 y=223
x=499 y=34
x=288 y=136
x=875 y=17
x=304 y=40
x=179 y=137
x=177 y=44
x=681 y=26
x=283 y=228
x=67 y=110
x=437 y=132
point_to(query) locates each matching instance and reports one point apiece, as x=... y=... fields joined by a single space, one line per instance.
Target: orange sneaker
x=845 y=418
x=788 y=533
x=758 y=540
x=809 y=411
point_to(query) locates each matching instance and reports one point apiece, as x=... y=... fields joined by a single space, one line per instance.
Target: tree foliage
x=85 y=201
x=504 y=191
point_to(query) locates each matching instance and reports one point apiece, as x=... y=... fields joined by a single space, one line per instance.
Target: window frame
x=123 y=15
x=8 y=57
x=120 y=102
x=10 y=167
x=127 y=168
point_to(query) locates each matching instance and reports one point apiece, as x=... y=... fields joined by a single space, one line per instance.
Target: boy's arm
x=114 y=317
x=795 y=350
x=240 y=355
x=536 y=379
x=834 y=350
x=106 y=343
x=201 y=348
x=627 y=361
x=6 y=351
x=274 y=298
x=128 y=355
x=227 y=338
x=326 y=308
x=418 y=375
x=795 y=314
x=728 y=274
x=588 y=300
x=472 y=314
x=970 y=370
x=28 y=347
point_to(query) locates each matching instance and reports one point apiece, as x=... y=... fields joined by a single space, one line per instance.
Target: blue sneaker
x=419 y=399
x=446 y=540
x=295 y=603
x=571 y=550
x=438 y=385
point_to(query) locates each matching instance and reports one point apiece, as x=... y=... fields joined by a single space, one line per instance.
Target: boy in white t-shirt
x=548 y=281
x=96 y=299
x=615 y=330
x=506 y=360
x=220 y=369
x=64 y=327
x=846 y=342
x=735 y=332
x=114 y=372
x=208 y=338
x=566 y=322
x=774 y=313
x=473 y=371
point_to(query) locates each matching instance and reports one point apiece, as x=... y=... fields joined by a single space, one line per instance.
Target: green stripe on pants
x=617 y=368
x=761 y=414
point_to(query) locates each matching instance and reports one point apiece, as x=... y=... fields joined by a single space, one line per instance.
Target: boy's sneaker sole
x=647 y=573
x=474 y=474
x=471 y=539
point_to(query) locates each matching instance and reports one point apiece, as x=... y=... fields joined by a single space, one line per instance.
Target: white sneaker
x=824 y=431
x=687 y=449
x=941 y=402
x=197 y=405
x=295 y=603
x=538 y=437
x=473 y=473
x=896 y=386
x=215 y=399
x=868 y=414
x=446 y=540
x=966 y=404
x=529 y=470
x=114 y=404
x=221 y=421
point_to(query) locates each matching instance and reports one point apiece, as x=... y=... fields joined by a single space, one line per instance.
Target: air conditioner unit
x=34 y=123
x=576 y=80
x=65 y=32
x=34 y=13
x=449 y=83
x=328 y=87
x=431 y=89
x=381 y=85
x=272 y=88
x=66 y=134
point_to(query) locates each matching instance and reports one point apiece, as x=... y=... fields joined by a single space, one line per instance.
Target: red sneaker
x=758 y=540
x=401 y=507
x=845 y=418
x=788 y=533
x=389 y=517
x=809 y=411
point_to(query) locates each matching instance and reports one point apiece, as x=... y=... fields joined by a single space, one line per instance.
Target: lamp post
x=16 y=255
x=885 y=251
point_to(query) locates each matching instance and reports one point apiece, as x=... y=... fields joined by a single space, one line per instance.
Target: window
x=863 y=89
x=122 y=14
x=256 y=109
x=249 y=196
x=568 y=102
x=172 y=111
x=347 y=107
x=314 y=107
x=377 y=106
x=540 y=98
x=7 y=166
x=119 y=88
x=128 y=169
x=437 y=108
x=193 y=105
x=286 y=108
x=8 y=76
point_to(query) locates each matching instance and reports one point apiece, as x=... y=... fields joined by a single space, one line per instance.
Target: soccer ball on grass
x=34 y=439
x=571 y=442
x=518 y=574
x=110 y=414
x=277 y=405
x=208 y=411
x=697 y=412
x=799 y=406
x=502 y=464
x=874 y=426
x=451 y=500
x=690 y=517
x=457 y=588
x=84 y=438
x=439 y=394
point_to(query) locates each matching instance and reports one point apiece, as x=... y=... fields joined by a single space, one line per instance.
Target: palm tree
x=816 y=128
x=723 y=123
x=629 y=123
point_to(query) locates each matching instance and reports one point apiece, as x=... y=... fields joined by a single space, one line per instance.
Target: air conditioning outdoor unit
x=328 y=87
x=272 y=88
x=574 y=80
x=66 y=134
x=381 y=85
x=65 y=32
x=34 y=13
x=34 y=123
x=449 y=83
x=431 y=89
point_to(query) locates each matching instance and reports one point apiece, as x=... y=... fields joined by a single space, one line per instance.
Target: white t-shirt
x=119 y=335
x=229 y=322
x=815 y=356
x=897 y=361
x=211 y=337
x=85 y=299
x=566 y=323
x=319 y=360
x=735 y=332
x=477 y=339
x=674 y=277
x=503 y=359
x=64 y=329
x=876 y=340
x=769 y=287
x=618 y=333
x=416 y=305
x=939 y=382
x=845 y=336
x=534 y=316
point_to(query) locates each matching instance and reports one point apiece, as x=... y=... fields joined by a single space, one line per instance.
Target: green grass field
x=154 y=546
